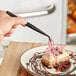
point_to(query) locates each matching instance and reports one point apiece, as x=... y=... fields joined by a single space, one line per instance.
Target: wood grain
x=11 y=62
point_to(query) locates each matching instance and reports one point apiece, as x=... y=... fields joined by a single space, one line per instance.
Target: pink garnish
x=57 y=70
x=32 y=67
x=52 y=49
x=71 y=54
x=69 y=74
x=34 y=61
x=65 y=50
x=44 y=71
x=37 y=65
x=34 y=54
x=60 y=65
x=51 y=44
x=60 y=48
x=63 y=65
x=35 y=58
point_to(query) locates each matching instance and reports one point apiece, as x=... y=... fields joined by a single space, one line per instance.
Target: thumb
x=20 y=21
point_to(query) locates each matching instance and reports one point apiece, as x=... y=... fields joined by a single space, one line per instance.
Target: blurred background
x=71 y=21
x=55 y=17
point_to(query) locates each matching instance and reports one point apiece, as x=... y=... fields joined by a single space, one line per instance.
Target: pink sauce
x=54 y=50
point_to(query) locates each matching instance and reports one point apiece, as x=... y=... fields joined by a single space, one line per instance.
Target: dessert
x=50 y=61
x=56 y=57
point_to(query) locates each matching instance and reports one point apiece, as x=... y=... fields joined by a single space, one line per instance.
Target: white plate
x=29 y=54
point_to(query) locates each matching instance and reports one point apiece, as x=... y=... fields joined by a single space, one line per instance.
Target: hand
x=9 y=24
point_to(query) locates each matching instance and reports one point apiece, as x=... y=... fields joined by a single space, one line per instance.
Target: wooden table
x=11 y=62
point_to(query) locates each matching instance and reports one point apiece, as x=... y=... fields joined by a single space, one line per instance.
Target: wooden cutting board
x=11 y=62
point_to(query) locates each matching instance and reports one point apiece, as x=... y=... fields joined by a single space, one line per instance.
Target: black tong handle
x=29 y=25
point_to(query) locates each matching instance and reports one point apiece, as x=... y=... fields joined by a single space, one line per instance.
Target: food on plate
x=55 y=59
x=50 y=60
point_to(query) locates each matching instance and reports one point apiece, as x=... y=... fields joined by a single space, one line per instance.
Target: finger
x=2 y=12
x=19 y=21
x=14 y=26
x=9 y=33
